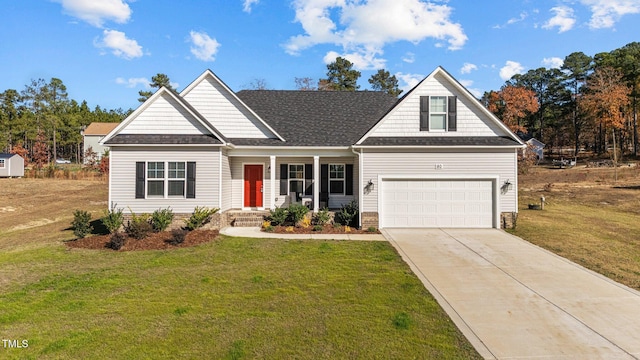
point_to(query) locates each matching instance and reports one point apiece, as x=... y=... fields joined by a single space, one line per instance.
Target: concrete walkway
x=514 y=300
x=254 y=232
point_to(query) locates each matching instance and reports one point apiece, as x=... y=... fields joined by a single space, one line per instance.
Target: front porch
x=266 y=182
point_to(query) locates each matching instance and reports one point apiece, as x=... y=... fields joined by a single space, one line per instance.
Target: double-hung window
x=155 y=179
x=336 y=179
x=2 y=164
x=166 y=179
x=438 y=113
x=296 y=178
x=177 y=177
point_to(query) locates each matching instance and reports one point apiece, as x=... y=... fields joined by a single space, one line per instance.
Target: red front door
x=253 y=185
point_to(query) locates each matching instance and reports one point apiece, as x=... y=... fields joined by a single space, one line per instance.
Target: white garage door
x=437 y=203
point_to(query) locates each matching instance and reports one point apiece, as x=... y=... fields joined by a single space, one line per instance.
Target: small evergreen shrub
x=278 y=216
x=161 y=219
x=112 y=220
x=322 y=217
x=297 y=213
x=117 y=241
x=372 y=229
x=178 y=236
x=269 y=228
x=139 y=226
x=318 y=227
x=348 y=214
x=81 y=223
x=199 y=217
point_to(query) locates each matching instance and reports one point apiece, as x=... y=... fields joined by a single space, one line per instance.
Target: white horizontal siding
x=164 y=116
x=224 y=111
x=404 y=120
x=501 y=163
x=123 y=178
x=227 y=192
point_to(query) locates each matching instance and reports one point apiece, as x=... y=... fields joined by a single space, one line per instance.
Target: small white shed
x=537 y=147
x=11 y=165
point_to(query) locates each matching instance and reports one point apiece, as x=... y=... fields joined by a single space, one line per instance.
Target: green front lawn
x=232 y=298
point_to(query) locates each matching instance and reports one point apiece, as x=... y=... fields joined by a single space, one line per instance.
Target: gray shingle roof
x=316 y=118
x=155 y=139
x=441 y=141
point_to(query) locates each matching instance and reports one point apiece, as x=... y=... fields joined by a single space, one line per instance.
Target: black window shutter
x=452 y=113
x=424 y=113
x=308 y=177
x=191 y=180
x=284 y=176
x=348 y=179
x=324 y=182
x=140 y=180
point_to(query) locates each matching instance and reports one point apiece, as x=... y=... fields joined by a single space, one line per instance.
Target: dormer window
x=438 y=113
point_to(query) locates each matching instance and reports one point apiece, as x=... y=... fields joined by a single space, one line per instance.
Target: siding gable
x=164 y=115
x=216 y=103
x=404 y=120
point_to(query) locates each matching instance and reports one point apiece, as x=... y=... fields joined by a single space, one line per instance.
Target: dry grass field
x=589 y=217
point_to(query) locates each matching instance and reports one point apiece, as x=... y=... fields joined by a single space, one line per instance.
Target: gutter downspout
x=360 y=191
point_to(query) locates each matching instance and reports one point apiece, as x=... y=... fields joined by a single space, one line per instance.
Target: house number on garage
x=439 y=166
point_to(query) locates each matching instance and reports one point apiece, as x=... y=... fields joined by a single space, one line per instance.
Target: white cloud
x=564 y=19
x=204 y=47
x=246 y=7
x=133 y=82
x=511 y=68
x=408 y=81
x=361 y=61
x=522 y=17
x=467 y=68
x=467 y=84
x=409 y=58
x=553 y=62
x=120 y=45
x=365 y=27
x=605 y=13
x=96 y=12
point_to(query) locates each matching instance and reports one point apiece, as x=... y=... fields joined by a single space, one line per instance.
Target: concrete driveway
x=514 y=300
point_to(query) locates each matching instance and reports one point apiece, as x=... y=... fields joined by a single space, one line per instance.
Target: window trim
x=343 y=179
x=290 y=179
x=165 y=179
x=445 y=113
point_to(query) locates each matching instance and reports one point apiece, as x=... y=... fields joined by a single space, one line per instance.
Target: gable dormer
x=439 y=106
x=224 y=110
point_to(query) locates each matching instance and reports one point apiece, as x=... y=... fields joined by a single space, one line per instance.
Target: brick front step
x=247 y=218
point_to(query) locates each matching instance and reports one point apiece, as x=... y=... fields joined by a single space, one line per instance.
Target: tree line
x=589 y=103
x=41 y=122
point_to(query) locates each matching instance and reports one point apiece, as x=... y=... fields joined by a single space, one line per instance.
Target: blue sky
x=105 y=51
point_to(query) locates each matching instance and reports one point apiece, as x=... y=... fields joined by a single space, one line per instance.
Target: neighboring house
x=11 y=165
x=533 y=144
x=434 y=158
x=93 y=134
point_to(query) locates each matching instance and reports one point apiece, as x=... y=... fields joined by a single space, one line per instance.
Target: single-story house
x=434 y=158
x=533 y=144
x=11 y=165
x=92 y=135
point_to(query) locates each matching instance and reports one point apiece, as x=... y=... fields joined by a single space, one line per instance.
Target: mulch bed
x=326 y=229
x=155 y=241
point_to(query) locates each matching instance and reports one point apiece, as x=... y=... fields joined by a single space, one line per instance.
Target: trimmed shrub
x=116 y=241
x=348 y=214
x=139 y=226
x=81 y=223
x=297 y=213
x=112 y=220
x=322 y=217
x=178 y=236
x=318 y=227
x=278 y=216
x=372 y=229
x=199 y=217
x=161 y=219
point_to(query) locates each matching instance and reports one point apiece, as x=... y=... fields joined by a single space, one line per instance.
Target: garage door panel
x=437 y=203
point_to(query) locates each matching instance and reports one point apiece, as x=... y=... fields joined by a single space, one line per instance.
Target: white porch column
x=316 y=183
x=272 y=182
